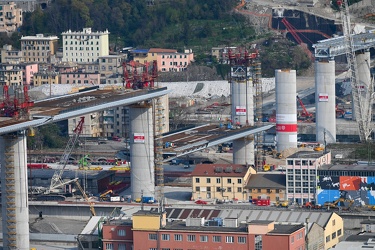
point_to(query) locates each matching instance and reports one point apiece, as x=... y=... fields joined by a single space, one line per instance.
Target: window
x=328 y=238
x=208 y=180
x=178 y=237
x=334 y=236
x=121 y=232
x=165 y=237
x=290 y=162
x=239 y=181
x=333 y=222
x=241 y=239
x=259 y=190
x=268 y=190
x=191 y=237
x=218 y=189
x=109 y=246
x=277 y=191
x=229 y=239
x=239 y=189
x=297 y=171
x=229 y=189
x=218 y=180
x=152 y=236
x=208 y=189
x=197 y=189
x=216 y=238
x=292 y=239
x=121 y=246
x=258 y=242
x=229 y=181
x=339 y=232
x=204 y=238
x=196 y=180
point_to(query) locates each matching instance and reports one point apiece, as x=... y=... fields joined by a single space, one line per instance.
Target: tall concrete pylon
x=14 y=186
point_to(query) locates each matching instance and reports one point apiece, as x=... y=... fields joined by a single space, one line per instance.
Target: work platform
x=205 y=136
x=330 y=48
x=77 y=104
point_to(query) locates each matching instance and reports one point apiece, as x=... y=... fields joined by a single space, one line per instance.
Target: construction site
x=242 y=131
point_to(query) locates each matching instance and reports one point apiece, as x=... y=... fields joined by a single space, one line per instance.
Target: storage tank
x=141 y=151
x=325 y=99
x=286 y=109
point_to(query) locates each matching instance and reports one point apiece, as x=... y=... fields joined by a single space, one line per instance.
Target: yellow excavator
x=336 y=202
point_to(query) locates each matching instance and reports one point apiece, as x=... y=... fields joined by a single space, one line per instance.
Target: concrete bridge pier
x=243 y=151
x=142 y=150
x=14 y=198
x=325 y=101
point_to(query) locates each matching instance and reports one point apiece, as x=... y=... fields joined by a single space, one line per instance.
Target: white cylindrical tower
x=364 y=77
x=142 y=151
x=242 y=100
x=286 y=109
x=325 y=99
x=14 y=198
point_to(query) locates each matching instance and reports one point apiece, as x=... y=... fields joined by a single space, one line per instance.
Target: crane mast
x=56 y=180
x=361 y=96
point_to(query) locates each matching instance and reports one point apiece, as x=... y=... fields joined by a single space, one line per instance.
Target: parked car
x=200 y=202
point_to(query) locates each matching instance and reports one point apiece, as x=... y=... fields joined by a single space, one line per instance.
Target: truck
x=148 y=199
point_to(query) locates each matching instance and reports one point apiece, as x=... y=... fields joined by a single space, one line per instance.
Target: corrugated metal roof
x=280 y=216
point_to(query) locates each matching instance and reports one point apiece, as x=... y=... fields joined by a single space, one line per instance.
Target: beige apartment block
x=39 y=48
x=85 y=46
x=10 y=55
x=10 y=17
x=221 y=181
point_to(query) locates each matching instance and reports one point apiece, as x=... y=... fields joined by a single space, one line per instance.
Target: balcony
x=11 y=16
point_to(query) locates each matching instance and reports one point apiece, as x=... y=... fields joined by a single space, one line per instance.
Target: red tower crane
x=293 y=31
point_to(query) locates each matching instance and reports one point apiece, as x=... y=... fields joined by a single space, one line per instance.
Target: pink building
x=80 y=78
x=28 y=72
x=174 y=62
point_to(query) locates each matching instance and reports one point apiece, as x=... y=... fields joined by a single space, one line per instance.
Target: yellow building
x=221 y=181
x=39 y=48
x=149 y=55
x=10 y=17
x=46 y=77
x=267 y=186
x=148 y=220
x=333 y=231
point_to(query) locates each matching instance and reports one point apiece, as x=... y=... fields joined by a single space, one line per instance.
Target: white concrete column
x=243 y=151
x=14 y=195
x=142 y=151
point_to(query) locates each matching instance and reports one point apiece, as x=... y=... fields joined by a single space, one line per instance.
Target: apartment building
x=85 y=46
x=80 y=78
x=301 y=175
x=221 y=181
x=150 y=230
x=174 y=62
x=10 y=55
x=267 y=186
x=46 y=77
x=41 y=49
x=91 y=125
x=149 y=55
x=18 y=74
x=110 y=65
x=66 y=67
x=10 y=17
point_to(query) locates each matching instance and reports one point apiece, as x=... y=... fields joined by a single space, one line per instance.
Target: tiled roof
x=222 y=170
x=160 y=50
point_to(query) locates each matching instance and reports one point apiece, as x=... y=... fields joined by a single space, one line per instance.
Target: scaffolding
x=257 y=75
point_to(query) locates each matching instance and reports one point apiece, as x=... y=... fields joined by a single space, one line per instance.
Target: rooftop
x=181 y=225
x=286 y=229
x=144 y=51
x=306 y=154
x=224 y=170
x=160 y=50
x=39 y=37
x=348 y=167
x=267 y=181
x=69 y=174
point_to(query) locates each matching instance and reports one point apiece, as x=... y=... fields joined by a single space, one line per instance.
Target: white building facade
x=85 y=46
x=302 y=176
